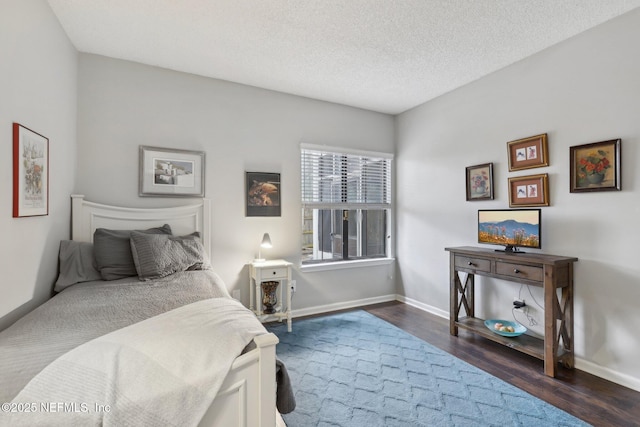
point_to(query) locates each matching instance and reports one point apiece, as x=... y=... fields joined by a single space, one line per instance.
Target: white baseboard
x=582 y=364
x=422 y=306
x=319 y=309
x=608 y=374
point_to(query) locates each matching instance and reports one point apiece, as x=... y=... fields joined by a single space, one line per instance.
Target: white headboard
x=87 y=216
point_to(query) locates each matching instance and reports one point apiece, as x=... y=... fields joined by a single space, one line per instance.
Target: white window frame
x=311 y=199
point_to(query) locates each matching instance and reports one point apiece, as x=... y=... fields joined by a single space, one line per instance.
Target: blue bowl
x=517 y=327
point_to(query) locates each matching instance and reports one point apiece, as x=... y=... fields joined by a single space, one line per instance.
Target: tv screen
x=511 y=228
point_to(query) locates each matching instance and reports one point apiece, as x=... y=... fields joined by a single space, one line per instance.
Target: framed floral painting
x=596 y=166
x=530 y=190
x=479 y=179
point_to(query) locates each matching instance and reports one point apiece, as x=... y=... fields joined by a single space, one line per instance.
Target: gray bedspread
x=89 y=310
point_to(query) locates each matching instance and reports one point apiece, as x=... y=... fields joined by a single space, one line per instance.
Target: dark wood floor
x=590 y=398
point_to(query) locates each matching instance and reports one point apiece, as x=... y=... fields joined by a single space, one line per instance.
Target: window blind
x=334 y=178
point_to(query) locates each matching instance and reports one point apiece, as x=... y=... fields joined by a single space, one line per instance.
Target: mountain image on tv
x=509 y=232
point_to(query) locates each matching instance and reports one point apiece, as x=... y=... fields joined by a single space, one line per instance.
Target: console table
x=550 y=272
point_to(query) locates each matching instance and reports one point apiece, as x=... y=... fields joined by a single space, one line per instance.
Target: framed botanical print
x=596 y=166
x=479 y=182
x=531 y=190
x=528 y=153
x=30 y=172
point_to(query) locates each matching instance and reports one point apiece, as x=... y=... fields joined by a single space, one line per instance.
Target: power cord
x=525 y=311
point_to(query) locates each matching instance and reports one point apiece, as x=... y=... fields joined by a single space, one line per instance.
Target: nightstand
x=274 y=270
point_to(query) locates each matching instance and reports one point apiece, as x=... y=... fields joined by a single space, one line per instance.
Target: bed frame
x=247 y=397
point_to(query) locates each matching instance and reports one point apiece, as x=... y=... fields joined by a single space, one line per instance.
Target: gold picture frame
x=530 y=190
x=528 y=153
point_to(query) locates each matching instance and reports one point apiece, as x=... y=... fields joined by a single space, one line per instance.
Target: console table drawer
x=520 y=271
x=471 y=263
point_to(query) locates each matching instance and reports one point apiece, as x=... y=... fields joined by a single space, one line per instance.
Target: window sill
x=340 y=265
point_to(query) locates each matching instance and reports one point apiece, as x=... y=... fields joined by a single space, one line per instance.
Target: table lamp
x=266 y=243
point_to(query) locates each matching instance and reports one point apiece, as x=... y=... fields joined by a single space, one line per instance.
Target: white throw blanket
x=165 y=370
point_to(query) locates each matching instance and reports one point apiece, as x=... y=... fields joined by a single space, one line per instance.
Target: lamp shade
x=266 y=241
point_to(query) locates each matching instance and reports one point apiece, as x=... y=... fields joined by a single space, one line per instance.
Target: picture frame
x=479 y=182
x=30 y=172
x=262 y=194
x=596 y=166
x=530 y=190
x=166 y=172
x=528 y=153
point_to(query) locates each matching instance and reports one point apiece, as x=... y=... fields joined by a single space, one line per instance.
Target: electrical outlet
x=519 y=303
x=293 y=286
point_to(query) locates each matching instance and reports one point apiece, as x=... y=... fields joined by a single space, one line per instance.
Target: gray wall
x=122 y=105
x=38 y=87
x=584 y=90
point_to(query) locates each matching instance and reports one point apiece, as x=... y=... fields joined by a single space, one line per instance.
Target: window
x=346 y=204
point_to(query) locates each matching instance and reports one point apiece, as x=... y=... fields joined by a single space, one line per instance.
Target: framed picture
x=528 y=153
x=30 y=172
x=531 y=190
x=595 y=167
x=171 y=173
x=479 y=181
x=262 y=194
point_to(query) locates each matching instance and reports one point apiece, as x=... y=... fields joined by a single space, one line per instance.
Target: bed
x=166 y=346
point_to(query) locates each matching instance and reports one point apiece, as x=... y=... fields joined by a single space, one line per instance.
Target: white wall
x=122 y=105
x=584 y=90
x=38 y=90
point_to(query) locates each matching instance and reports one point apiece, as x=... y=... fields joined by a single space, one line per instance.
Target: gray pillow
x=157 y=255
x=112 y=250
x=77 y=264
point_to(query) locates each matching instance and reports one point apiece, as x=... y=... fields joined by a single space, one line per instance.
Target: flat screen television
x=511 y=228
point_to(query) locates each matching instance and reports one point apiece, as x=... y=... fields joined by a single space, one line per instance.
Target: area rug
x=356 y=370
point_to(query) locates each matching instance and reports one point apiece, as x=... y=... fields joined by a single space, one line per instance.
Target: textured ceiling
x=381 y=55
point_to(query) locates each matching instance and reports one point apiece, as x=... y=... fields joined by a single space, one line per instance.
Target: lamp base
x=259 y=260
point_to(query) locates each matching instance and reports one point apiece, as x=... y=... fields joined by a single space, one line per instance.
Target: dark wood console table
x=550 y=272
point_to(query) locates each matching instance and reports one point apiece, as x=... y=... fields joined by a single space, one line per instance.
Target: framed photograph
x=531 y=190
x=30 y=172
x=595 y=167
x=528 y=153
x=168 y=172
x=479 y=181
x=262 y=194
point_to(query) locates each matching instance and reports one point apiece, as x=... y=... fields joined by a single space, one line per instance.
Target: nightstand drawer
x=520 y=271
x=472 y=263
x=274 y=273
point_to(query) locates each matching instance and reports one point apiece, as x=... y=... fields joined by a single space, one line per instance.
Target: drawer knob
x=274 y=273
x=470 y=263
x=515 y=270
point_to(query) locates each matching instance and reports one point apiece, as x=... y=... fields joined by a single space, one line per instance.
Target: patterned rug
x=356 y=370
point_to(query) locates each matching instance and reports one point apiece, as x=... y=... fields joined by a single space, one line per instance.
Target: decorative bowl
x=517 y=327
